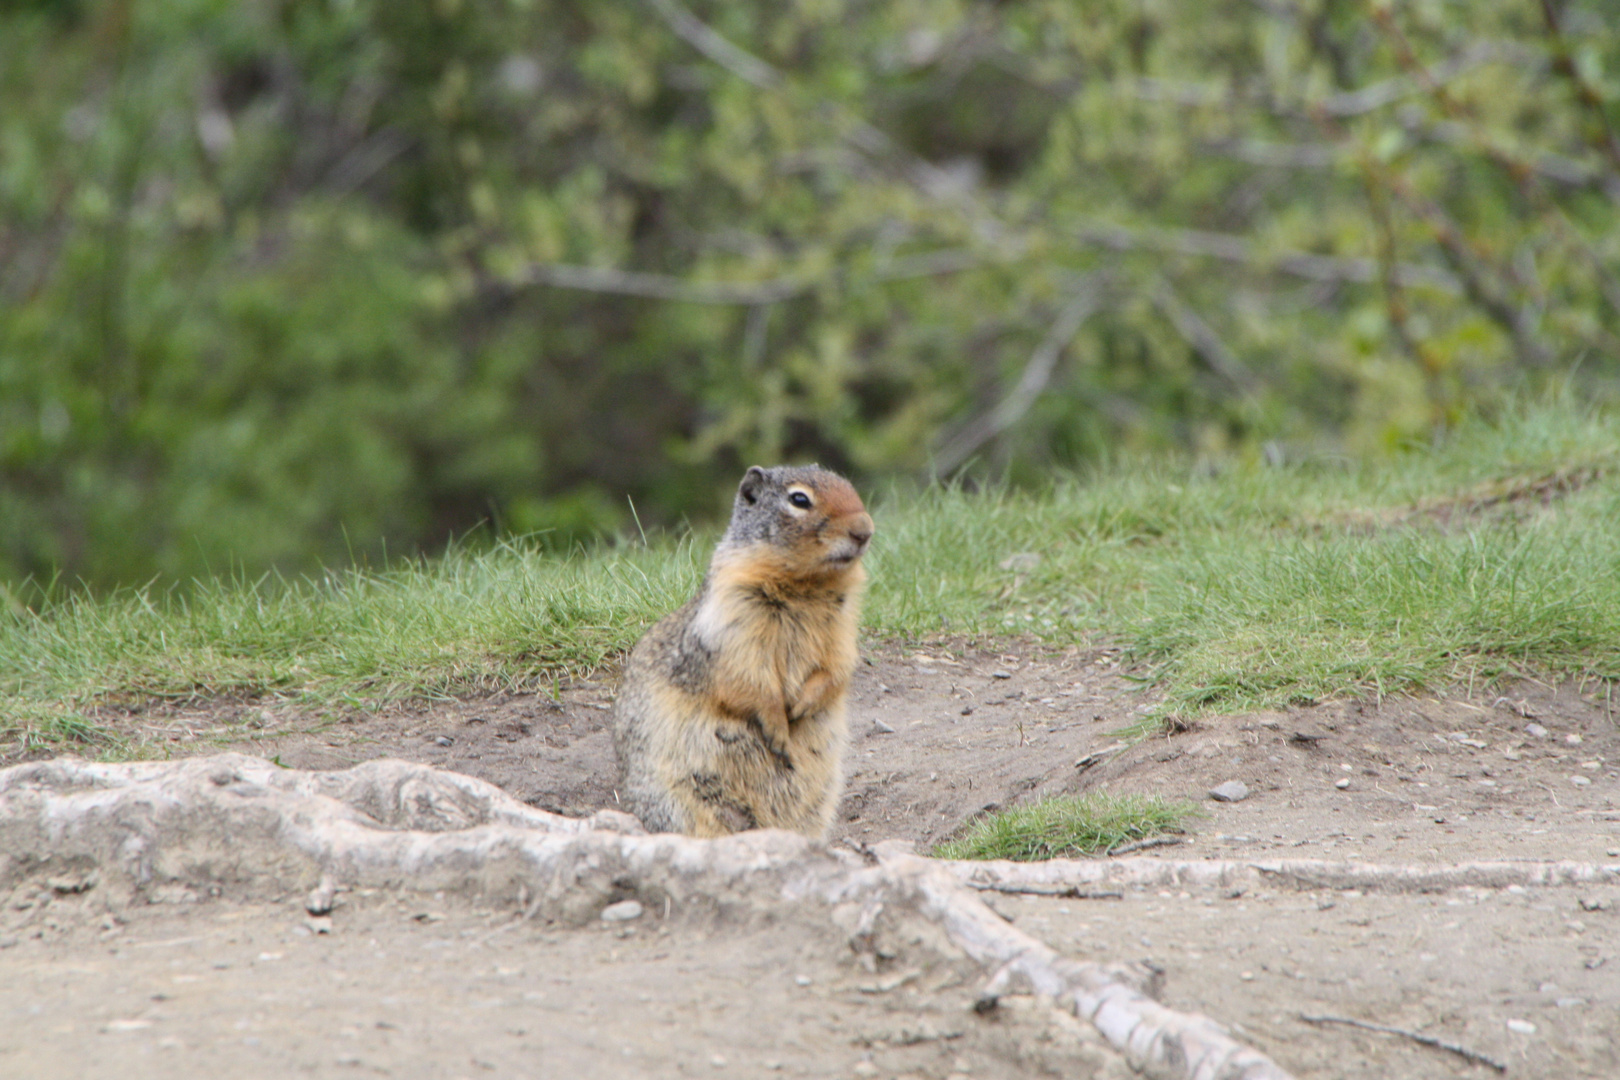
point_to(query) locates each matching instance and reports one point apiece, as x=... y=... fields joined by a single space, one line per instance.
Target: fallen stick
x=1066 y=892
x=1298 y=874
x=1143 y=845
x=242 y=828
x=1415 y=1036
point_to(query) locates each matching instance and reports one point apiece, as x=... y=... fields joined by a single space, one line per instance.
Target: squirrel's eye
x=800 y=499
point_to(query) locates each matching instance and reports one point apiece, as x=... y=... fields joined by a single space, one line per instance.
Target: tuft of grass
x=513 y=617
x=1241 y=586
x=1490 y=555
x=1071 y=825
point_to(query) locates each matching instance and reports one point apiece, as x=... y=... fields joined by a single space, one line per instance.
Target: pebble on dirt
x=1231 y=791
x=1342 y=782
x=623 y=911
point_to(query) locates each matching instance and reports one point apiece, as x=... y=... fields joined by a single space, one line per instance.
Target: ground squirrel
x=731 y=712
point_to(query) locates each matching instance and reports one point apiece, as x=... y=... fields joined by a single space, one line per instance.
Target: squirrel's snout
x=860 y=530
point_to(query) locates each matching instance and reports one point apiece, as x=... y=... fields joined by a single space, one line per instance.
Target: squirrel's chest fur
x=754 y=643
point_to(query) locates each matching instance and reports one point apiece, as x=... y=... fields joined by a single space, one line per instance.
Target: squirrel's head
x=809 y=522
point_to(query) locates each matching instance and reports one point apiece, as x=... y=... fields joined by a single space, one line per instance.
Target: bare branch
x=690 y=29
x=1376 y=95
x=603 y=279
x=1481 y=281
x=1276 y=155
x=1588 y=95
x=367 y=159
x=660 y=286
x=940 y=185
x=931 y=264
x=1037 y=373
x=1241 y=250
x=1558 y=168
x=1206 y=343
x=1369 y=98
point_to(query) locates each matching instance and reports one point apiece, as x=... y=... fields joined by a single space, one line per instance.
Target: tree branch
x=1037 y=373
x=1206 y=343
x=1242 y=251
x=660 y=286
x=690 y=29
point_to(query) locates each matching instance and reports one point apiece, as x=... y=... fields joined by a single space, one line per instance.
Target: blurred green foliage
x=285 y=282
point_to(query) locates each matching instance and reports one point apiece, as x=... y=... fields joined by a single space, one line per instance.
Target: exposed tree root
x=1077 y=877
x=239 y=826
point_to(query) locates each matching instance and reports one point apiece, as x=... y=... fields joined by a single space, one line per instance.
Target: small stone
x=1570 y=1002
x=1246 y=976
x=1536 y=730
x=1576 y=925
x=442 y=740
x=1573 y=739
x=1613 y=853
x=1000 y=674
x=881 y=728
x=801 y=980
x=1581 y=781
x=623 y=911
x=718 y=1061
x=319 y=924
x=319 y=900
x=1523 y=1027
x=865 y=1068
x=1342 y=782
x=1230 y=791
x=128 y=1025
x=967 y=710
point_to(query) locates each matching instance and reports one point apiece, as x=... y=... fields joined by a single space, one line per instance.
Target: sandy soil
x=413 y=986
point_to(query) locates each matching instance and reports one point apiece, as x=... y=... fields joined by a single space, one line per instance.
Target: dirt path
x=943 y=731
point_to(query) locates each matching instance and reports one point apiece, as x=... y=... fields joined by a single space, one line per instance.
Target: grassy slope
x=1496 y=553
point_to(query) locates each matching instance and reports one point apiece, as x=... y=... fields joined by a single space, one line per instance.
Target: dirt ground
x=412 y=986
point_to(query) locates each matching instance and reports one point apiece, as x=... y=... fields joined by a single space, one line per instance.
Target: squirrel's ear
x=753 y=482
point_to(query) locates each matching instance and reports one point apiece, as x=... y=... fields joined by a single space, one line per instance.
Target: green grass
x=1235 y=587
x=1072 y=825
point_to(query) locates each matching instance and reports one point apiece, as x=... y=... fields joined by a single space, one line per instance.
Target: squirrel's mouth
x=846 y=552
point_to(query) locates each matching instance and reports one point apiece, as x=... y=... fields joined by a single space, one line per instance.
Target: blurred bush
x=285 y=282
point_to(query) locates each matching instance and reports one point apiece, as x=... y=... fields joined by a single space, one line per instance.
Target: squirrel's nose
x=861 y=529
